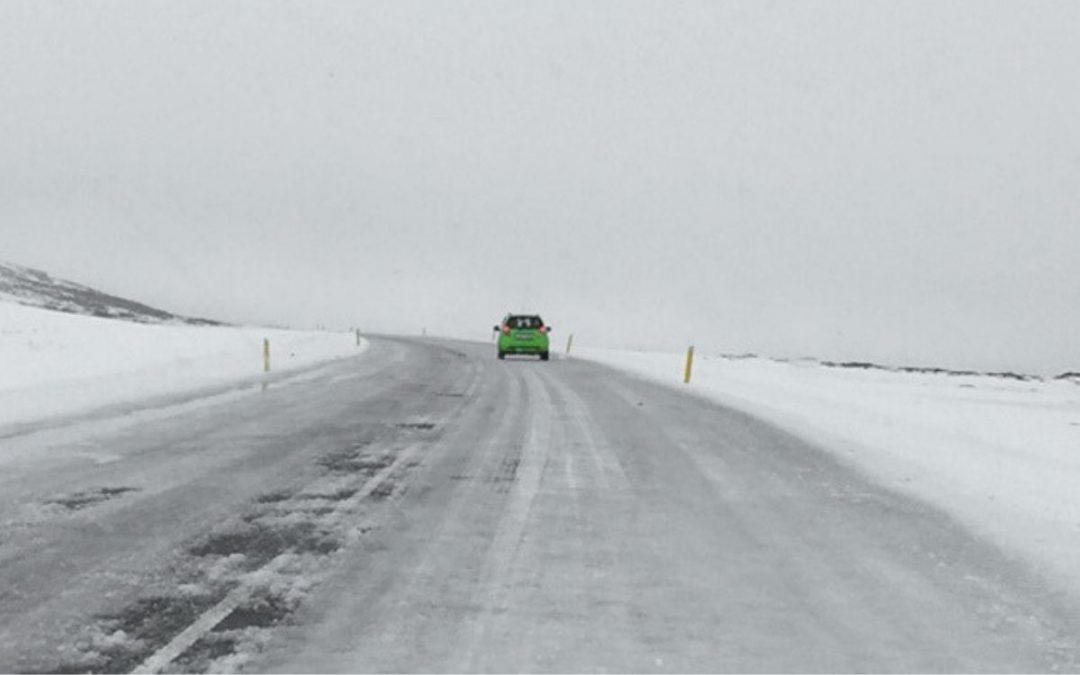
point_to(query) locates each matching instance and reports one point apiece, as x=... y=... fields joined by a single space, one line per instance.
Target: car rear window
x=524 y=322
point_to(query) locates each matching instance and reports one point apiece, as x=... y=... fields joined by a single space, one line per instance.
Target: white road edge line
x=205 y=623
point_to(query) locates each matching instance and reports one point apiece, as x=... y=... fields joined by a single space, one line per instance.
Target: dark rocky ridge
x=931 y=370
x=35 y=288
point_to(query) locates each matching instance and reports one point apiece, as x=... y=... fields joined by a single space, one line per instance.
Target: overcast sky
x=896 y=181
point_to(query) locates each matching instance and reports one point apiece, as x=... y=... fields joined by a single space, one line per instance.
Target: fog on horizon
x=888 y=181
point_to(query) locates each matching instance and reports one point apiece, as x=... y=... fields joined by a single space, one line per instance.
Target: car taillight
x=506 y=330
x=544 y=329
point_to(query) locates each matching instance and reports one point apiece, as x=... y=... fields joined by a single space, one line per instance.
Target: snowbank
x=1001 y=455
x=53 y=363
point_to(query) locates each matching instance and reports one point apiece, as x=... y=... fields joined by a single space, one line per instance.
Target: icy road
x=426 y=507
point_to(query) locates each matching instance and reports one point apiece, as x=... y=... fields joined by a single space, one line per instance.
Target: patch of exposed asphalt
x=416 y=426
x=80 y=500
x=260 y=542
x=336 y=496
x=217 y=649
x=273 y=497
x=351 y=461
x=385 y=490
x=503 y=478
x=120 y=642
x=264 y=611
x=209 y=648
x=298 y=531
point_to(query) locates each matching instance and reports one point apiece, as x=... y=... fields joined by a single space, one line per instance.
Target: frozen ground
x=429 y=508
x=1000 y=454
x=54 y=363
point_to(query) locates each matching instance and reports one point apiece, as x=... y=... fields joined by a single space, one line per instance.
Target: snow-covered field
x=999 y=454
x=54 y=363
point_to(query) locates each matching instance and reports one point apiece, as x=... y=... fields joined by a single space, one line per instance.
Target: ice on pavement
x=55 y=363
x=1001 y=455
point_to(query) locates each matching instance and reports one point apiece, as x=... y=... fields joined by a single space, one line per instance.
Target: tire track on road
x=501 y=555
x=610 y=473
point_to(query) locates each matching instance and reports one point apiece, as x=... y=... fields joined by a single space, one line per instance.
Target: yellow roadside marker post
x=689 y=365
x=266 y=355
x=569 y=343
x=357 y=337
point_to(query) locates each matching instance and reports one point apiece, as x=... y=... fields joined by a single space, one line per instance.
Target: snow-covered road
x=429 y=508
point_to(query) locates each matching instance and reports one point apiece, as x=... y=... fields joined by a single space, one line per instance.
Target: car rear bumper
x=524 y=349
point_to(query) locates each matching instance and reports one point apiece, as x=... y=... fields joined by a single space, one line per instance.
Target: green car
x=523 y=334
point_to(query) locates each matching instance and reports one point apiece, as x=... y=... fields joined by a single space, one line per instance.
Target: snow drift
x=56 y=363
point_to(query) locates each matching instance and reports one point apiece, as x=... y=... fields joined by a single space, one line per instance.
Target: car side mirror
x=495 y=328
x=550 y=329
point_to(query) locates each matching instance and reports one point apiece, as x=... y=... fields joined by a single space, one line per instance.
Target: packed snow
x=1000 y=454
x=56 y=363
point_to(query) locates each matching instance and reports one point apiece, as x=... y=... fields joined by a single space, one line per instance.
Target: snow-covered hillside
x=56 y=363
x=35 y=288
x=1000 y=453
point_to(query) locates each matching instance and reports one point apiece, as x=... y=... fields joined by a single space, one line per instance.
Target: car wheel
x=543 y=356
x=502 y=355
